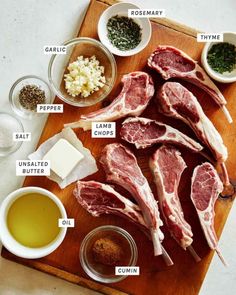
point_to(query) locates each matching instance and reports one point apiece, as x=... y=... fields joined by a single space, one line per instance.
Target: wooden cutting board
x=185 y=277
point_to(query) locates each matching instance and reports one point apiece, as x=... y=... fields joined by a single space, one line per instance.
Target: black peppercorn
x=30 y=96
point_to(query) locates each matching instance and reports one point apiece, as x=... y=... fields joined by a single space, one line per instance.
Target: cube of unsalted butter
x=63 y=158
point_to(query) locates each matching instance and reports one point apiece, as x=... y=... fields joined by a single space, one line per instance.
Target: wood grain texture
x=185 y=277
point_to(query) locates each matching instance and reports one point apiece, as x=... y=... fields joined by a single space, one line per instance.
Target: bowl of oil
x=29 y=222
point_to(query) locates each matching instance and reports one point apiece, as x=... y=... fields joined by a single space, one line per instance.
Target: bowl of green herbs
x=123 y=35
x=219 y=59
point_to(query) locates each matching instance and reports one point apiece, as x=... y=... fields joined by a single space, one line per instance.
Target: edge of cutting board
x=76 y=279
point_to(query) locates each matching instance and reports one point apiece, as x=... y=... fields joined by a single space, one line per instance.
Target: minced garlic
x=85 y=76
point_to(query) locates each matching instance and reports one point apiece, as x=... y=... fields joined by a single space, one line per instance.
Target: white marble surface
x=28 y=25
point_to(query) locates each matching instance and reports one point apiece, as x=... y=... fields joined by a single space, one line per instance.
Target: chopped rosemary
x=222 y=57
x=123 y=32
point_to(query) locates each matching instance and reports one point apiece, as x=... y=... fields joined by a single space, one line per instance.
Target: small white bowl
x=229 y=37
x=121 y=9
x=7 y=239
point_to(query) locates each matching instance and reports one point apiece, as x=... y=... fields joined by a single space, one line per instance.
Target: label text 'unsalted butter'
x=103 y=129
x=32 y=167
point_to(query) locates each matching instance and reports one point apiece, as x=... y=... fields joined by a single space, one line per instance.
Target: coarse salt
x=6 y=137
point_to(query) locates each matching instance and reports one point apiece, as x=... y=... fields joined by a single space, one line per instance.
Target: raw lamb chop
x=144 y=132
x=178 y=102
x=134 y=97
x=206 y=186
x=167 y=166
x=171 y=62
x=99 y=198
x=121 y=167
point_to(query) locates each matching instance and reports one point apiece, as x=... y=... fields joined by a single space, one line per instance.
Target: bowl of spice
x=8 y=125
x=122 y=35
x=26 y=93
x=104 y=249
x=84 y=75
x=219 y=59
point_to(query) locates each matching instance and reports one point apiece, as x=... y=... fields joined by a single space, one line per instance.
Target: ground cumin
x=107 y=251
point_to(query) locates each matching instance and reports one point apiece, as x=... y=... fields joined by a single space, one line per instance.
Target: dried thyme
x=30 y=96
x=222 y=57
x=123 y=32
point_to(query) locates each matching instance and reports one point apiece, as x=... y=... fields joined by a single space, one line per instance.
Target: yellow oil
x=33 y=220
